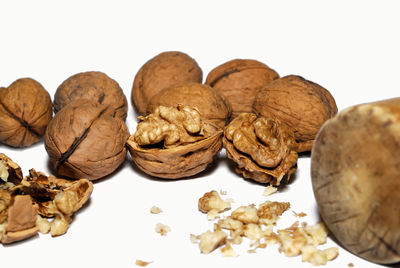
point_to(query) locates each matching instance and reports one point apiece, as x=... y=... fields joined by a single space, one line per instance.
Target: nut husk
x=301 y=104
x=238 y=80
x=162 y=71
x=25 y=111
x=210 y=103
x=93 y=86
x=355 y=177
x=86 y=140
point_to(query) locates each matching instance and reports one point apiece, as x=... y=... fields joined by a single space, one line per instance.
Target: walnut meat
x=263 y=148
x=238 y=80
x=210 y=103
x=25 y=111
x=86 y=140
x=301 y=104
x=162 y=71
x=174 y=143
x=93 y=86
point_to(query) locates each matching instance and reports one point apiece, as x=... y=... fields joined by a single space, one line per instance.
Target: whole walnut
x=93 y=86
x=162 y=71
x=25 y=111
x=301 y=104
x=86 y=140
x=263 y=148
x=238 y=80
x=211 y=105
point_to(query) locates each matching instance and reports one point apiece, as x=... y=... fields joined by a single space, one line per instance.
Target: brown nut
x=25 y=111
x=9 y=170
x=355 y=176
x=238 y=81
x=262 y=148
x=86 y=140
x=301 y=104
x=93 y=86
x=174 y=143
x=162 y=71
x=209 y=102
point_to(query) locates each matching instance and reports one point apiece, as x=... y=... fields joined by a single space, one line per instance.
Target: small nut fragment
x=228 y=251
x=270 y=190
x=211 y=240
x=162 y=229
x=318 y=257
x=245 y=214
x=155 y=210
x=43 y=224
x=60 y=224
x=269 y=212
x=212 y=204
x=230 y=224
x=142 y=263
x=263 y=148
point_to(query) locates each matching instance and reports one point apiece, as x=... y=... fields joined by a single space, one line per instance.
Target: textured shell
x=210 y=103
x=356 y=179
x=25 y=111
x=85 y=140
x=238 y=80
x=93 y=86
x=178 y=162
x=301 y=104
x=162 y=71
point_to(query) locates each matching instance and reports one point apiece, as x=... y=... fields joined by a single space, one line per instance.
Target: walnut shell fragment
x=162 y=71
x=301 y=104
x=25 y=111
x=174 y=143
x=238 y=80
x=86 y=140
x=210 y=103
x=92 y=86
x=263 y=148
x=355 y=176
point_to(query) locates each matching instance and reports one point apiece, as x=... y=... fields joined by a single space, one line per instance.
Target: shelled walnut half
x=174 y=142
x=263 y=148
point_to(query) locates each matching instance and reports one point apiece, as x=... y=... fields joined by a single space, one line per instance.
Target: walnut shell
x=238 y=80
x=263 y=148
x=93 y=86
x=210 y=103
x=173 y=143
x=301 y=104
x=25 y=111
x=162 y=71
x=86 y=140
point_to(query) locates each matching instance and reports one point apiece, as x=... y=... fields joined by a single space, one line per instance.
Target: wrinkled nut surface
x=25 y=111
x=162 y=71
x=92 y=86
x=355 y=178
x=262 y=148
x=238 y=80
x=212 y=204
x=86 y=140
x=301 y=104
x=174 y=143
x=210 y=103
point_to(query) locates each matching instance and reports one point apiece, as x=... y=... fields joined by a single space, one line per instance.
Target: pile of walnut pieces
x=258 y=224
x=27 y=204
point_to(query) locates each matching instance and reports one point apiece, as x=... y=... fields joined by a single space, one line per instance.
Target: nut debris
x=211 y=240
x=142 y=263
x=269 y=190
x=155 y=210
x=162 y=229
x=212 y=204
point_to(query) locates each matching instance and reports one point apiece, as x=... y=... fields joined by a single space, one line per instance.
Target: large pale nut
x=93 y=86
x=355 y=177
x=25 y=111
x=177 y=162
x=238 y=80
x=162 y=71
x=86 y=140
x=301 y=104
x=210 y=103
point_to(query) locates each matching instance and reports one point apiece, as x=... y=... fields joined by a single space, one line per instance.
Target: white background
x=352 y=48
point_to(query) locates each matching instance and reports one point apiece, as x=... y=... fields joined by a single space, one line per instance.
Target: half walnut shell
x=181 y=144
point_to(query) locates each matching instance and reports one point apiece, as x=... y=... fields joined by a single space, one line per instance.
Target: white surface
x=349 y=47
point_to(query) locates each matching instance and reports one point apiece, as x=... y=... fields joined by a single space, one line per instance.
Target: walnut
x=162 y=229
x=174 y=143
x=211 y=240
x=269 y=212
x=9 y=170
x=263 y=148
x=162 y=71
x=86 y=140
x=25 y=111
x=93 y=86
x=238 y=80
x=355 y=177
x=301 y=104
x=212 y=203
x=210 y=103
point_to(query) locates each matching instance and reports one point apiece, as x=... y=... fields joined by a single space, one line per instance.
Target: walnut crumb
x=350 y=264
x=142 y=263
x=228 y=251
x=269 y=190
x=300 y=214
x=155 y=210
x=162 y=229
x=211 y=240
